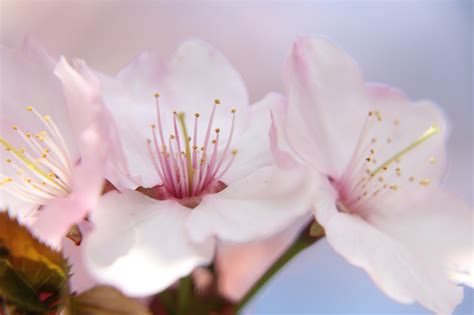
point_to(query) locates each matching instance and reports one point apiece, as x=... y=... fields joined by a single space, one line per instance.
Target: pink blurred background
x=423 y=47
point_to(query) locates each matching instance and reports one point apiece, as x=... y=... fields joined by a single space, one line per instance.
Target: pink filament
x=171 y=162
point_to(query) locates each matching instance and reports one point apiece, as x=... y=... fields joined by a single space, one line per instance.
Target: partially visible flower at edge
x=378 y=159
x=203 y=165
x=58 y=140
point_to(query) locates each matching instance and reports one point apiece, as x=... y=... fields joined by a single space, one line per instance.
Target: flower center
x=41 y=170
x=366 y=178
x=186 y=169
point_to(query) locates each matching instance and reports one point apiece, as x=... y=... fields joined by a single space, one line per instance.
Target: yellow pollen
x=233 y=110
x=217 y=101
x=424 y=182
x=46 y=118
x=394 y=187
x=29 y=108
x=434 y=129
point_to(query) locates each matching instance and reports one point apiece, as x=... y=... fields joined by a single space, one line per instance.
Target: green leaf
x=16 y=290
x=104 y=300
x=36 y=266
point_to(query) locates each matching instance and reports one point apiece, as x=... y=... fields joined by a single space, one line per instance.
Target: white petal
x=254 y=207
x=27 y=79
x=327 y=104
x=253 y=141
x=438 y=227
x=140 y=245
x=400 y=273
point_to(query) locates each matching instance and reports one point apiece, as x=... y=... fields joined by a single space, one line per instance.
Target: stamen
x=189 y=172
x=44 y=171
x=434 y=129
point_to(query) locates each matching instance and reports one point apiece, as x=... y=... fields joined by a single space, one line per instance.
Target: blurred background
x=423 y=47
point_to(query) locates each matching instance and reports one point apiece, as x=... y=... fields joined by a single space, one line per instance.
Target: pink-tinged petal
x=402 y=124
x=254 y=207
x=199 y=74
x=35 y=50
x=140 y=245
x=327 y=104
x=240 y=265
x=143 y=73
x=252 y=142
x=133 y=112
x=279 y=146
x=26 y=79
x=55 y=219
x=438 y=227
x=81 y=280
x=400 y=273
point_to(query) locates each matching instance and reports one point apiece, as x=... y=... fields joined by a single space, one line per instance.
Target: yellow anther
x=29 y=108
x=172 y=137
x=195 y=147
x=372 y=151
x=15 y=128
x=156 y=95
x=433 y=160
x=234 y=152
x=371 y=113
x=153 y=126
x=394 y=187
x=217 y=101
x=424 y=182
x=28 y=135
x=218 y=130
x=47 y=118
x=233 y=110
x=214 y=141
x=197 y=115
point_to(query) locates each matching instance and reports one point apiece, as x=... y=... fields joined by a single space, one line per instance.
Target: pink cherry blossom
x=203 y=163
x=57 y=137
x=379 y=158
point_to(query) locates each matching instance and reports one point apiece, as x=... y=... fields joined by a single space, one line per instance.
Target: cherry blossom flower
x=203 y=166
x=381 y=157
x=56 y=138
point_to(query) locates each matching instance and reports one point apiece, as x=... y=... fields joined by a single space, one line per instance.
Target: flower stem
x=184 y=295
x=304 y=240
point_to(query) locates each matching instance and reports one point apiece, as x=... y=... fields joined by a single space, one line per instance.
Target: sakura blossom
x=53 y=160
x=378 y=159
x=202 y=166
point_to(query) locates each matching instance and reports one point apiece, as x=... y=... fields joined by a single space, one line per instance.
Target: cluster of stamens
x=39 y=171
x=368 y=178
x=185 y=168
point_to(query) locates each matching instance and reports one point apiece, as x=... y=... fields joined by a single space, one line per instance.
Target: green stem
x=184 y=294
x=304 y=240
